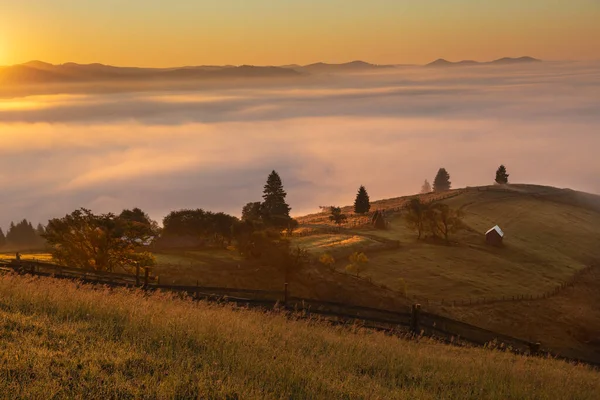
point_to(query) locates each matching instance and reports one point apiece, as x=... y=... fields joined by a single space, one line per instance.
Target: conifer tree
x=2 y=238
x=426 y=188
x=501 y=175
x=442 y=181
x=274 y=209
x=362 y=204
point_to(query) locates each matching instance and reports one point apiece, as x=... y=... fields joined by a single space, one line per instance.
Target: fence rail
x=412 y=320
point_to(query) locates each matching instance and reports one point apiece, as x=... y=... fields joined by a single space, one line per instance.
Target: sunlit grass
x=322 y=243
x=63 y=340
x=38 y=256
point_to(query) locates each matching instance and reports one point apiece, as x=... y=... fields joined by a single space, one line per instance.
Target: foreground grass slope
x=61 y=340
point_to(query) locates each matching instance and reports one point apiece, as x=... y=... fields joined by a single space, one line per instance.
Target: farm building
x=494 y=236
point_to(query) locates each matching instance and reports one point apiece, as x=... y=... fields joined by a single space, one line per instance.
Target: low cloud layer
x=213 y=147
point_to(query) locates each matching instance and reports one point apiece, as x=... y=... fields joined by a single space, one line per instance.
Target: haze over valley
x=187 y=143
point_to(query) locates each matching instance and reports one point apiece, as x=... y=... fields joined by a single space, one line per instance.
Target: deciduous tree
x=416 y=216
x=336 y=216
x=96 y=242
x=443 y=220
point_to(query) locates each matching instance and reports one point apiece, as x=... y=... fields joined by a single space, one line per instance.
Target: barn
x=494 y=236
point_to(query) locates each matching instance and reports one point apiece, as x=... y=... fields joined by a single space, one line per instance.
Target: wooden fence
x=407 y=321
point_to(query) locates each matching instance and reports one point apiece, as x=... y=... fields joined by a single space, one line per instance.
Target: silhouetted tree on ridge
x=442 y=181
x=426 y=188
x=362 y=204
x=274 y=210
x=501 y=175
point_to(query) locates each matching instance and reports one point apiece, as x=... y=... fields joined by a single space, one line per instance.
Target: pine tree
x=274 y=209
x=426 y=188
x=362 y=204
x=501 y=175
x=441 y=181
x=2 y=238
x=40 y=230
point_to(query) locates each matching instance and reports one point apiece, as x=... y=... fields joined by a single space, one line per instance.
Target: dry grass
x=323 y=243
x=36 y=256
x=546 y=242
x=64 y=341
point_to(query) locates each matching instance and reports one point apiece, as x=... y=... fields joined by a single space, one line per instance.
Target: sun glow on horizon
x=266 y=32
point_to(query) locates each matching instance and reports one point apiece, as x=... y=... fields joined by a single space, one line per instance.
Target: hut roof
x=497 y=229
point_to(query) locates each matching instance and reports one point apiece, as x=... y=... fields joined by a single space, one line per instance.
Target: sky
x=213 y=146
x=163 y=33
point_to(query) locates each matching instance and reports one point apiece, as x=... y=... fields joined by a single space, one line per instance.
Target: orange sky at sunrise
x=185 y=32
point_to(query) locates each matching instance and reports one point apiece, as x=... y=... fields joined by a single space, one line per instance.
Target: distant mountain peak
x=438 y=62
x=509 y=60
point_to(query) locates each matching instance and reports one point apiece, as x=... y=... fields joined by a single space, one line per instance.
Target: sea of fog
x=212 y=146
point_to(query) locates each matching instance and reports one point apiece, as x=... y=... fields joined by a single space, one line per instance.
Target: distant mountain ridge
x=40 y=72
x=501 y=61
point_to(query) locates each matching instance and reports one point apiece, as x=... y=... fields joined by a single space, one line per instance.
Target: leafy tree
x=444 y=220
x=221 y=226
x=426 y=188
x=441 y=181
x=2 y=238
x=501 y=175
x=336 y=216
x=416 y=216
x=185 y=222
x=251 y=211
x=217 y=228
x=274 y=209
x=358 y=263
x=362 y=204
x=96 y=242
x=328 y=261
x=142 y=227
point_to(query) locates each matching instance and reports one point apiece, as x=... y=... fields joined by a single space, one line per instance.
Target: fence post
x=285 y=295
x=146 y=274
x=534 y=348
x=414 y=318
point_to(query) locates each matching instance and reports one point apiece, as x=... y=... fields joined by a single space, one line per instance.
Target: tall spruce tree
x=442 y=181
x=2 y=238
x=501 y=175
x=274 y=209
x=362 y=204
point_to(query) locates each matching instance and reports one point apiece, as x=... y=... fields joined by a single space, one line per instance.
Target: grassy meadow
x=64 y=340
x=546 y=242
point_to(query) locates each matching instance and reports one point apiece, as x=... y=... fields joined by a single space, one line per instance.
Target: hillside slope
x=63 y=340
x=550 y=235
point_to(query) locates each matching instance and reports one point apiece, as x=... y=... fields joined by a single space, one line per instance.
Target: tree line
x=112 y=242
x=22 y=235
